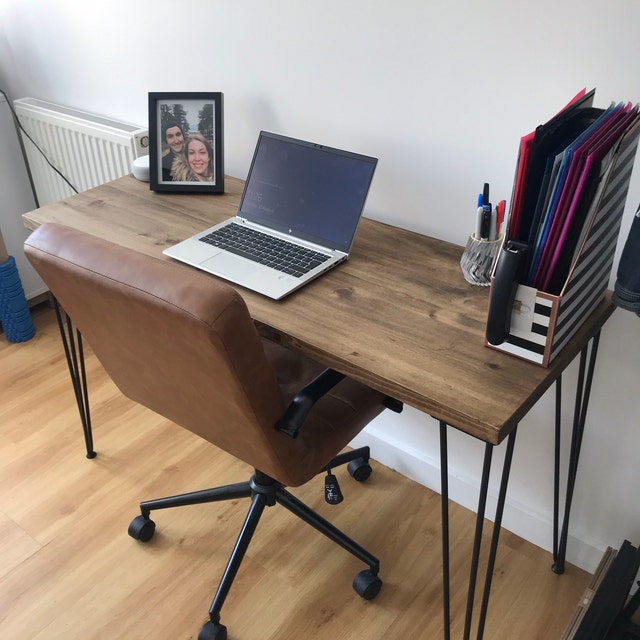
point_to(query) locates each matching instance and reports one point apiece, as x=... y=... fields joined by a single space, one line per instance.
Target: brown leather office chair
x=183 y=344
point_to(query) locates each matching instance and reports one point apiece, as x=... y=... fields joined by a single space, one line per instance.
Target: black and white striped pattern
x=589 y=278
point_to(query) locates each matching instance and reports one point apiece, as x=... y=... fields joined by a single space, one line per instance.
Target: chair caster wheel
x=367 y=584
x=142 y=528
x=359 y=469
x=212 y=631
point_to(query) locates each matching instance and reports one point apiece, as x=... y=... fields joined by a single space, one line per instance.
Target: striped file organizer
x=541 y=323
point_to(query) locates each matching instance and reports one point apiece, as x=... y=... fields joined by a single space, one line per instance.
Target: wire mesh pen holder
x=478 y=259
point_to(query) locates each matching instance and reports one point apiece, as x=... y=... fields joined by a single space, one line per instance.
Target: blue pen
x=479 y=212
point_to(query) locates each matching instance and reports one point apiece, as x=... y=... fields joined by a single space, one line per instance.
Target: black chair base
x=265 y=492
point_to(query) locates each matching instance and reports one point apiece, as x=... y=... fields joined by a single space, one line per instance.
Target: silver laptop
x=297 y=217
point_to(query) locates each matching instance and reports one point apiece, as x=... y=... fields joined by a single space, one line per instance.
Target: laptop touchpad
x=229 y=265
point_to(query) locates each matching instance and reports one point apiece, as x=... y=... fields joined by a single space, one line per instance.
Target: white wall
x=441 y=92
x=17 y=198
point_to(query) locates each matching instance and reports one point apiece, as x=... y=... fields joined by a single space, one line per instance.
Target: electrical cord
x=35 y=144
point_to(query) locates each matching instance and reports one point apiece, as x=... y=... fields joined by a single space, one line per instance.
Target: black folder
x=550 y=139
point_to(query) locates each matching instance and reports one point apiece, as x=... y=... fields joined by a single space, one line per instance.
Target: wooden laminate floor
x=68 y=569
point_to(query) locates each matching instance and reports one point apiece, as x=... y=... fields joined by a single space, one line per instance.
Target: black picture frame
x=197 y=118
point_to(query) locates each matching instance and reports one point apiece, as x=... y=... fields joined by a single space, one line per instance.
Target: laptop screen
x=308 y=190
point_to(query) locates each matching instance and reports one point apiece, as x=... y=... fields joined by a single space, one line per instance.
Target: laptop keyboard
x=265 y=249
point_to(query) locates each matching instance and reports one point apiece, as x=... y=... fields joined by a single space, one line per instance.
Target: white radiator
x=87 y=149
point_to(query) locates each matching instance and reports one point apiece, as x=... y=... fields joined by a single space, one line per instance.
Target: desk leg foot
x=74 y=352
x=558 y=567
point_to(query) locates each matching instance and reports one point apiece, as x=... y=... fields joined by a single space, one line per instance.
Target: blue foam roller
x=14 y=310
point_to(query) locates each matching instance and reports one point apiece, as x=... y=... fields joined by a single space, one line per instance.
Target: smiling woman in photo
x=195 y=163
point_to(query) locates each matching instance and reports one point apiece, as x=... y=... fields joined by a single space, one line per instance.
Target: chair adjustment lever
x=332 y=492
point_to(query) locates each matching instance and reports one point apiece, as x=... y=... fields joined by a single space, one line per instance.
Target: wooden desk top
x=398 y=316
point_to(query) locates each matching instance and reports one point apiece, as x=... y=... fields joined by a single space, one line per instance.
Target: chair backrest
x=173 y=339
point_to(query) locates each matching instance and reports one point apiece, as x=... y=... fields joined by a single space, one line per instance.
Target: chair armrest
x=296 y=413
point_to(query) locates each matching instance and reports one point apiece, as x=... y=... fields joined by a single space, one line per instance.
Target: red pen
x=501 y=208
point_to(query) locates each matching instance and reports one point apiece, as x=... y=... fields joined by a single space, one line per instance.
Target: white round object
x=140 y=168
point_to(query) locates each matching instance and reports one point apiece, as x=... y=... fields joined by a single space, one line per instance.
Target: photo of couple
x=188 y=142
x=187 y=150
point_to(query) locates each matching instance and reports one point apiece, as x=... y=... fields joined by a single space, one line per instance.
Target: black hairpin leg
x=444 y=493
x=583 y=391
x=497 y=525
x=72 y=343
x=475 y=558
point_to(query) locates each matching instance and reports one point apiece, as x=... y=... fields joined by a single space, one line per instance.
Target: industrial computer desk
x=398 y=316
